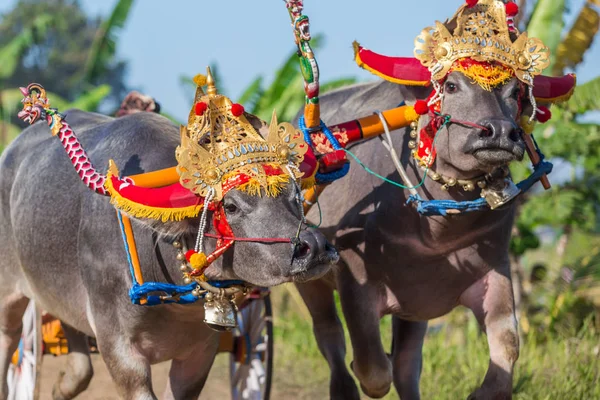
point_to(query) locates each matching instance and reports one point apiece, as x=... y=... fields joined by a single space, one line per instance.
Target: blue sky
x=166 y=39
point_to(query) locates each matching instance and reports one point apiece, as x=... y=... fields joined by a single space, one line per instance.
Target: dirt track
x=217 y=386
x=102 y=388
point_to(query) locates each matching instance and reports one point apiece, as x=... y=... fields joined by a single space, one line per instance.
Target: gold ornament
x=217 y=147
x=481 y=34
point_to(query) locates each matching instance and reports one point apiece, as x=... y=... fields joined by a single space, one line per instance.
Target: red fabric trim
x=172 y=196
x=409 y=71
x=550 y=88
x=403 y=70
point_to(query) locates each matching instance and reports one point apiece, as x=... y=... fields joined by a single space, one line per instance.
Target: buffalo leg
x=188 y=376
x=12 y=308
x=129 y=369
x=329 y=333
x=407 y=356
x=491 y=300
x=77 y=374
x=371 y=364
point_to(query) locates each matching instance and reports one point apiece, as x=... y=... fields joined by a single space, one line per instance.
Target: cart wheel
x=251 y=362
x=24 y=372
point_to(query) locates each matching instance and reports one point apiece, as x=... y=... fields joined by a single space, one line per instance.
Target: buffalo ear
x=411 y=94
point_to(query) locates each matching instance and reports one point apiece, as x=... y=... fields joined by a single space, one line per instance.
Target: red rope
x=257 y=240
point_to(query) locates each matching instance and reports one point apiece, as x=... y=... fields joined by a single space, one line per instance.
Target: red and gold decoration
x=481 y=42
x=221 y=150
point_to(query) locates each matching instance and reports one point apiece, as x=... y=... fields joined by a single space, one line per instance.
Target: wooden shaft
x=535 y=158
x=396 y=118
x=311 y=196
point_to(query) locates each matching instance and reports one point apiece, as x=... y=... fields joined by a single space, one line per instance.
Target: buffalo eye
x=451 y=87
x=230 y=208
x=516 y=93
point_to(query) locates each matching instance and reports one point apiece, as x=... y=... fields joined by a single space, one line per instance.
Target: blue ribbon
x=181 y=294
x=441 y=207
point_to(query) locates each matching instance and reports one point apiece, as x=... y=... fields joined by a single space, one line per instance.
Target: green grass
x=455 y=359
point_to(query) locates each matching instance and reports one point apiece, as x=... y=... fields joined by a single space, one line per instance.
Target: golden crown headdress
x=221 y=149
x=481 y=32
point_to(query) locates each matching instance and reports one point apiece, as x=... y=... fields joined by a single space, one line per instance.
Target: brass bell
x=497 y=198
x=414 y=125
x=412 y=144
x=177 y=244
x=220 y=314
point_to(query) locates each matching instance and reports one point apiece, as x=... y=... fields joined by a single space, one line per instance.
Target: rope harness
x=424 y=207
x=144 y=293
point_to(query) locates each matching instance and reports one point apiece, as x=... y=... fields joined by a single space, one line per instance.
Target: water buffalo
x=61 y=247
x=395 y=261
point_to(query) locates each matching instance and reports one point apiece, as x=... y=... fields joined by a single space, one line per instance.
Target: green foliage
x=11 y=52
x=104 y=46
x=547 y=23
x=285 y=94
x=525 y=240
x=54 y=47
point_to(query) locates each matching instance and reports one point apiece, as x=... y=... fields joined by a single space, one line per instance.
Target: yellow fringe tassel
x=487 y=77
x=275 y=184
x=138 y=210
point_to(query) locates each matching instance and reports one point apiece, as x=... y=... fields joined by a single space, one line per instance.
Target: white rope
x=388 y=144
x=202 y=227
x=299 y=196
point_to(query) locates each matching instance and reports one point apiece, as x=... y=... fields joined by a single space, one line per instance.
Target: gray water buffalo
x=416 y=268
x=61 y=246
x=476 y=83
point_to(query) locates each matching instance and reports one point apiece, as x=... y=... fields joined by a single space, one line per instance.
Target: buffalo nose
x=500 y=128
x=312 y=243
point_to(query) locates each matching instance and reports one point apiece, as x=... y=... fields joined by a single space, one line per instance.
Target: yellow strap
x=135 y=260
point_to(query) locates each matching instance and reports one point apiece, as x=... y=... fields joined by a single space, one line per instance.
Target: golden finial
x=211 y=89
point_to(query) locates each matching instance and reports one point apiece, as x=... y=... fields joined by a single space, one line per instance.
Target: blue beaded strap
x=441 y=207
x=329 y=177
x=179 y=294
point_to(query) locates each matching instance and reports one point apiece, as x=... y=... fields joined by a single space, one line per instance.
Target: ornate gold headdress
x=481 y=33
x=220 y=148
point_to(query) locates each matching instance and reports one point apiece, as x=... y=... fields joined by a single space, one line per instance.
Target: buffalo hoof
x=343 y=388
x=374 y=393
x=489 y=394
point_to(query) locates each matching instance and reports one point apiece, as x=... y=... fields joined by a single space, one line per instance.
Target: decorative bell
x=497 y=198
x=220 y=314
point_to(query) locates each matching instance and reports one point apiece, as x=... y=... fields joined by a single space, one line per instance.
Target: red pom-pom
x=512 y=9
x=200 y=108
x=421 y=107
x=189 y=253
x=543 y=115
x=472 y=3
x=237 y=109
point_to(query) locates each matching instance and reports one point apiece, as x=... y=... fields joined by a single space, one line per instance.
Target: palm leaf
x=252 y=94
x=284 y=76
x=547 y=23
x=585 y=98
x=10 y=53
x=579 y=39
x=104 y=45
x=91 y=100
